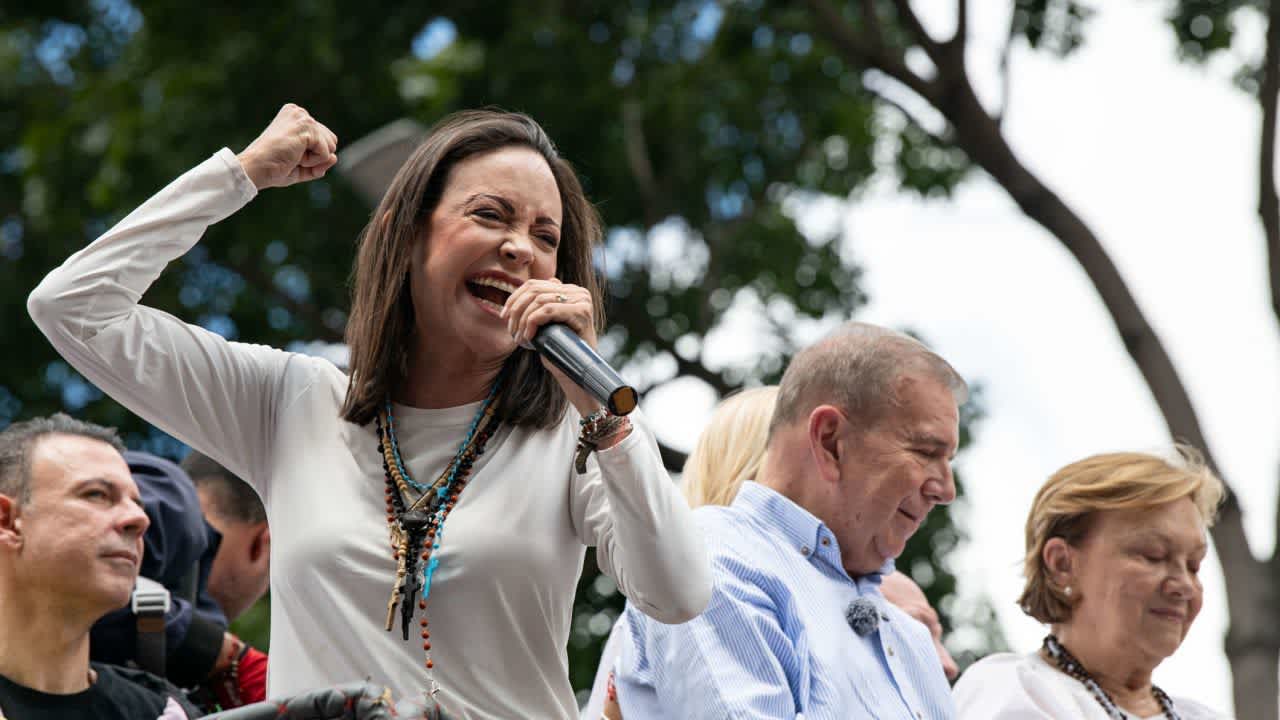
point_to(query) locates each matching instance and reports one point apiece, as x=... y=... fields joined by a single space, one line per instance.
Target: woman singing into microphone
x=428 y=524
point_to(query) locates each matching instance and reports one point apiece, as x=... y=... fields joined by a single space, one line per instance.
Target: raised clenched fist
x=294 y=148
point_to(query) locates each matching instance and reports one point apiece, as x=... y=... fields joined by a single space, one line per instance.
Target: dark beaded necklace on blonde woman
x=1068 y=664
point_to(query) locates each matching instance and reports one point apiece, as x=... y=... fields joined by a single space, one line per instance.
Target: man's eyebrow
x=928 y=439
x=920 y=437
x=94 y=480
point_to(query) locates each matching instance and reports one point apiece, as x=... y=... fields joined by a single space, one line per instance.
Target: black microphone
x=575 y=358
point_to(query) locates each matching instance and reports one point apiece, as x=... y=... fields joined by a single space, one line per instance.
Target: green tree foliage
x=700 y=127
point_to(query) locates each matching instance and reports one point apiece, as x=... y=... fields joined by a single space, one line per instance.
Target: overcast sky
x=1158 y=158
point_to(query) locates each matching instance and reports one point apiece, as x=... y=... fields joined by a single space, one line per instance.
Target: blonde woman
x=1114 y=544
x=730 y=449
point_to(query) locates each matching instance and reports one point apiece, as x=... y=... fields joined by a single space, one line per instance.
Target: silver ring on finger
x=561 y=298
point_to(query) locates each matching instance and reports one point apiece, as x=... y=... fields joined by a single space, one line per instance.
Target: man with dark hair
x=71 y=529
x=241 y=569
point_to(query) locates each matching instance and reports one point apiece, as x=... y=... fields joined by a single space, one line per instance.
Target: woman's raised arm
x=218 y=396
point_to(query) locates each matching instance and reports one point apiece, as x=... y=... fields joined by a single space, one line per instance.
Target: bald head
x=857 y=368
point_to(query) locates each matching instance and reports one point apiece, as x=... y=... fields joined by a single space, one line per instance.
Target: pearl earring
x=1067 y=591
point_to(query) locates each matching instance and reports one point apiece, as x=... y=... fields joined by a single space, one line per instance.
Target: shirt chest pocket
x=852 y=680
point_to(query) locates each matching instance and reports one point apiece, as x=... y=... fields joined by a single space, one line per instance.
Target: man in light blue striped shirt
x=859 y=451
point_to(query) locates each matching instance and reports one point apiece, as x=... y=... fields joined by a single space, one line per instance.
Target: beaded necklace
x=1068 y=664
x=416 y=525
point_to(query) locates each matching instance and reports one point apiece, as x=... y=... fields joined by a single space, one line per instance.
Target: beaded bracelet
x=230 y=679
x=596 y=428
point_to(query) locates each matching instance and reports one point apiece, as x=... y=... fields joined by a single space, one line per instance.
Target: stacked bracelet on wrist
x=596 y=428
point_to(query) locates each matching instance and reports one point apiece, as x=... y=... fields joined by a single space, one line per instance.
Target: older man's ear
x=827 y=441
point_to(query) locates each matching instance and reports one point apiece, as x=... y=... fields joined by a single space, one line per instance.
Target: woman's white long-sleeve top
x=501 y=601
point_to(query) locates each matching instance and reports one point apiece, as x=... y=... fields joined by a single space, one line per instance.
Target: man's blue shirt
x=774 y=642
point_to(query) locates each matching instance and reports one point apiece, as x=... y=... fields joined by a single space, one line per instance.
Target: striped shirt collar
x=777 y=514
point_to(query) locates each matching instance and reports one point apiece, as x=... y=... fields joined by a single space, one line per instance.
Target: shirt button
x=919 y=714
x=804 y=550
x=826 y=542
x=890 y=651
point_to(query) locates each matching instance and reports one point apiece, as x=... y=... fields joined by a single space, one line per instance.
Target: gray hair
x=856 y=368
x=17 y=440
x=231 y=497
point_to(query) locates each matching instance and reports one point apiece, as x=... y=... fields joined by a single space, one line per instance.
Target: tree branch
x=958 y=40
x=713 y=236
x=696 y=369
x=637 y=152
x=256 y=277
x=1268 y=199
x=632 y=315
x=911 y=118
x=912 y=22
x=860 y=51
x=871 y=21
x=1005 y=83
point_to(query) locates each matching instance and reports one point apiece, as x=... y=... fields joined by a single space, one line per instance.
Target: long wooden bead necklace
x=416 y=524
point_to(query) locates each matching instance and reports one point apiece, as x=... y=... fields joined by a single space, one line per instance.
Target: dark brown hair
x=232 y=498
x=381 y=325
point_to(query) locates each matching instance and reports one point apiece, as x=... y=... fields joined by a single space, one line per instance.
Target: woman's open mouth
x=492 y=292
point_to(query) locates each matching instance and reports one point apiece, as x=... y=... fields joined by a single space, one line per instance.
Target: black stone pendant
x=415 y=523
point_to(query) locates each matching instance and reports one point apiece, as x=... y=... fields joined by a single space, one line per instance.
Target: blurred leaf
x=1053 y=25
